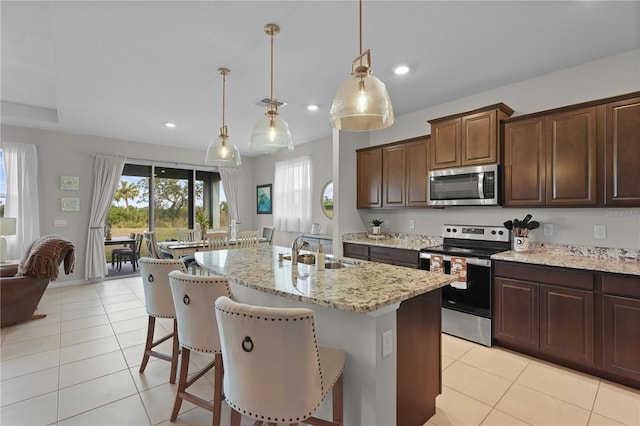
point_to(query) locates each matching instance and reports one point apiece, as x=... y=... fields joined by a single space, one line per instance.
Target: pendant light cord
x=360 y=32
x=271 y=66
x=224 y=84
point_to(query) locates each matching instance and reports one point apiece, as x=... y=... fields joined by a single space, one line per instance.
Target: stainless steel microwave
x=464 y=186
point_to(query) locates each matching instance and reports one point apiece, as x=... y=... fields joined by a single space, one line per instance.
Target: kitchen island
x=355 y=307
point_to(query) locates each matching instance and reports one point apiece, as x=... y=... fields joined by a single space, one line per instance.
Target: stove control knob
x=500 y=233
x=455 y=230
x=493 y=232
x=448 y=229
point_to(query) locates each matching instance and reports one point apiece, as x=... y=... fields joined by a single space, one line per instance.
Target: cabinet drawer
x=394 y=256
x=621 y=285
x=563 y=277
x=357 y=251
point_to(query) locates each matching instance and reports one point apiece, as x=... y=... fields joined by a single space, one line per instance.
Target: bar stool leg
x=182 y=382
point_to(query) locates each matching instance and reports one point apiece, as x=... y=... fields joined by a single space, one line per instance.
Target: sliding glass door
x=165 y=199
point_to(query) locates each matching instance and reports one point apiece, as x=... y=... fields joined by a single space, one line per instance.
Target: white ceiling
x=121 y=69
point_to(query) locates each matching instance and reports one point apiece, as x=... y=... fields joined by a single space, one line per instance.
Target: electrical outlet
x=387 y=343
x=548 y=229
x=385 y=224
x=59 y=223
x=599 y=231
x=412 y=224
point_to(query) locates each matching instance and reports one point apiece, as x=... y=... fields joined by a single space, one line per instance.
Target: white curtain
x=21 y=169
x=107 y=172
x=230 y=176
x=292 y=195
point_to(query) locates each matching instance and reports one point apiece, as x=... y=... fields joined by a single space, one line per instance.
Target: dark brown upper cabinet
x=393 y=175
x=469 y=138
x=622 y=153
x=369 y=178
x=582 y=155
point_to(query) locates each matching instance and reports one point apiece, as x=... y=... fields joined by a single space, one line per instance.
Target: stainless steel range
x=466 y=303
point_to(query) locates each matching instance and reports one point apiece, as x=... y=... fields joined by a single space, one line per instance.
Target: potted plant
x=375 y=229
x=202 y=218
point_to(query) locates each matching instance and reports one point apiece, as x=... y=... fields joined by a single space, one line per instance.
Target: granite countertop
x=601 y=259
x=392 y=240
x=364 y=287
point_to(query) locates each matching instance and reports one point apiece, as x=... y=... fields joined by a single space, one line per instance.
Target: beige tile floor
x=79 y=366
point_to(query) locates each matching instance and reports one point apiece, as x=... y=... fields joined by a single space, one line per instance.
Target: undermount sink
x=336 y=265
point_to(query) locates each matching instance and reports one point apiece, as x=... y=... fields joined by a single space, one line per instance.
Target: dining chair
x=115 y=251
x=216 y=241
x=188 y=235
x=267 y=235
x=129 y=253
x=274 y=370
x=159 y=304
x=194 y=297
x=152 y=245
x=247 y=239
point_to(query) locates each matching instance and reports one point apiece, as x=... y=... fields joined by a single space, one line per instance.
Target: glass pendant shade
x=223 y=153
x=271 y=135
x=361 y=104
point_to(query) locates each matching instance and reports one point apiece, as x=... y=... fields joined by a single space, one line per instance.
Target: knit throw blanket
x=43 y=258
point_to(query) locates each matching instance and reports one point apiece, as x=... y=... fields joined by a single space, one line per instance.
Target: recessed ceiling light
x=312 y=107
x=170 y=124
x=401 y=69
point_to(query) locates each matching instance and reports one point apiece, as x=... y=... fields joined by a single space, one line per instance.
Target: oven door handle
x=470 y=260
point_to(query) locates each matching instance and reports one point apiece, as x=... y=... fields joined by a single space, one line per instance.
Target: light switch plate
x=412 y=224
x=548 y=229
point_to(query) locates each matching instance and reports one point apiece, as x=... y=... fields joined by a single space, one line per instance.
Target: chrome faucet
x=295 y=249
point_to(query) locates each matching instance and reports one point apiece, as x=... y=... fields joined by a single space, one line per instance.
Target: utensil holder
x=520 y=243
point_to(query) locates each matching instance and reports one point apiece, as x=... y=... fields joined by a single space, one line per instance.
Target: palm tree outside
x=127 y=191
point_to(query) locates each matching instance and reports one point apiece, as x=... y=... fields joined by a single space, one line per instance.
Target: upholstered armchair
x=22 y=287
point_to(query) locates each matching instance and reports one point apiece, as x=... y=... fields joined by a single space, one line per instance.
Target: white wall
x=264 y=172
x=72 y=155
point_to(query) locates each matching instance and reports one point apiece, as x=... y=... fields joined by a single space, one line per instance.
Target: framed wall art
x=70 y=204
x=70 y=183
x=263 y=199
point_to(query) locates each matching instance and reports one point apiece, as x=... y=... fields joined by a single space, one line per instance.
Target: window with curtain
x=292 y=195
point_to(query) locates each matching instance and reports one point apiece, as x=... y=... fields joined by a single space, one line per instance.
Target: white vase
x=375 y=230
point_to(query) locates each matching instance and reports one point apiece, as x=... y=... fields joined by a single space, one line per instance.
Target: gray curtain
x=229 y=176
x=107 y=172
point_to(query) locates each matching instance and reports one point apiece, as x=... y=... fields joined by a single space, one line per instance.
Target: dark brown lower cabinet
x=516 y=312
x=356 y=251
x=395 y=256
x=621 y=325
x=388 y=255
x=566 y=323
x=586 y=320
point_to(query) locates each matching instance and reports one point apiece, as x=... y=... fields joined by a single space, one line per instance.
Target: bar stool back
x=159 y=304
x=194 y=298
x=274 y=369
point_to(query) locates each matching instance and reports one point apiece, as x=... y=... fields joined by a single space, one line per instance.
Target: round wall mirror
x=326 y=199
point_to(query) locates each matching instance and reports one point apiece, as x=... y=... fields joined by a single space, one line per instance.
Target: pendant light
x=362 y=102
x=221 y=152
x=271 y=134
